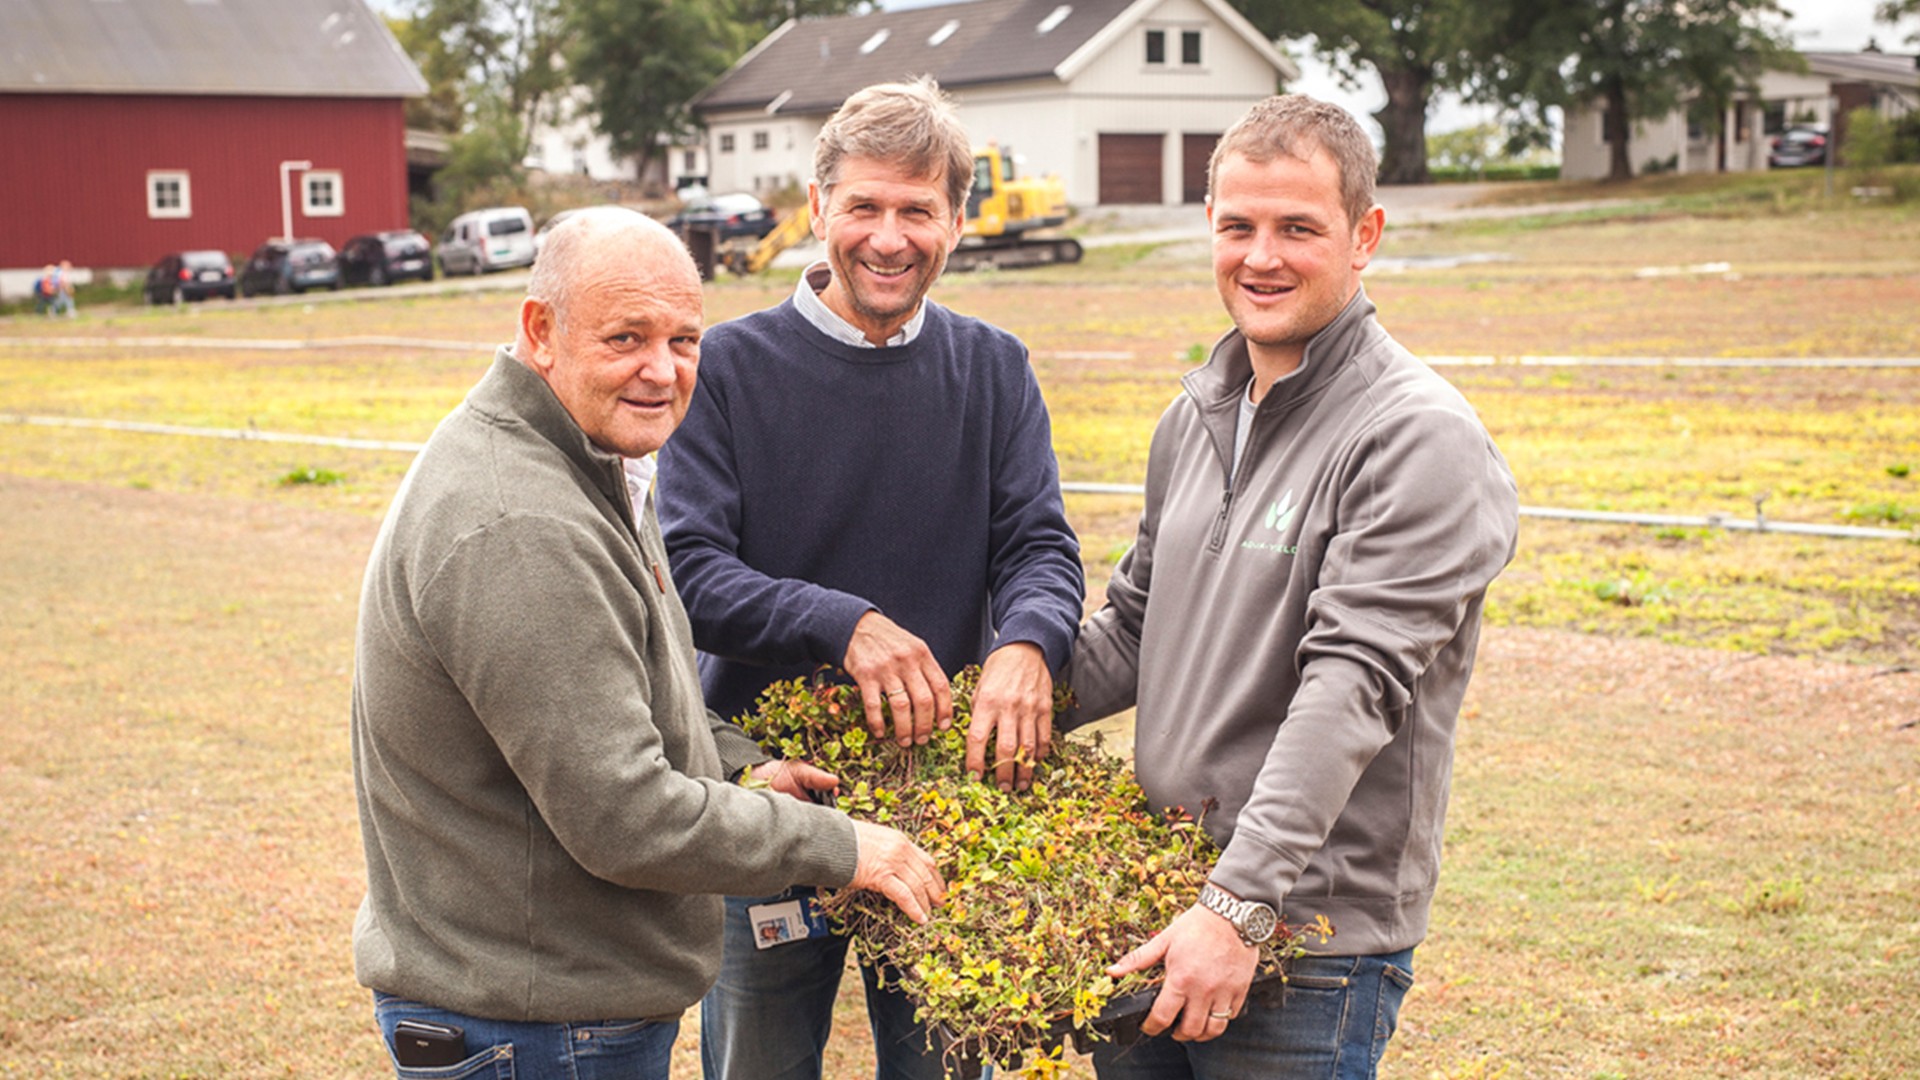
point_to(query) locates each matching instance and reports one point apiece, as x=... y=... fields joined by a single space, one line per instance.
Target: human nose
x=657 y=363
x=888 y=235
x=1264 y=252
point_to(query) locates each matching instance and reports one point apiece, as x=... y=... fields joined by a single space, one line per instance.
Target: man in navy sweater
x=866 y=480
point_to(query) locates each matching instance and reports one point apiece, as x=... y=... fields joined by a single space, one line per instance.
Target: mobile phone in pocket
x=424 y=1044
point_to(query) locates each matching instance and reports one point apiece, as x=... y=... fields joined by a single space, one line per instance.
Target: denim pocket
x=494 y=1063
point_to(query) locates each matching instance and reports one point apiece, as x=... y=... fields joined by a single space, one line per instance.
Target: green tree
x=508 y=51
x=644 y=60
x=1640 y=59
x=1417 y=47
x=1892 y=11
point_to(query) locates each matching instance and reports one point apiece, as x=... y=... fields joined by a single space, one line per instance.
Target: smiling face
x=888 y=234
x=1285 y=258
x=622 y=348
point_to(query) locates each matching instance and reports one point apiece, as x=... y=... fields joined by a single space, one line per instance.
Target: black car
x=1798 y=146
x=290 y=266
x=189 y=275
x=386 y=257
x=733 y=215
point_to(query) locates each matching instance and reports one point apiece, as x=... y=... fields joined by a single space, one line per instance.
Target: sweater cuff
x=1252 y=871
x=1056 y=641
x=832 y=627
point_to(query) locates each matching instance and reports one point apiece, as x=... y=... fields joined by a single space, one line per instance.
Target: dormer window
x=1158 y=43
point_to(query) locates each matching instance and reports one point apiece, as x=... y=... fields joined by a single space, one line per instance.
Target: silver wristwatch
x=1255 y=921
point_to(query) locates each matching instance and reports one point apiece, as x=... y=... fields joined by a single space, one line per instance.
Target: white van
x=494 y=239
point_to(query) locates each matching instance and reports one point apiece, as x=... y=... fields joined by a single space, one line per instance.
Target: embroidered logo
x=1278 y=519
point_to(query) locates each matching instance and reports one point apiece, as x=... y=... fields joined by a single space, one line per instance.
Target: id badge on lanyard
x=792 y=916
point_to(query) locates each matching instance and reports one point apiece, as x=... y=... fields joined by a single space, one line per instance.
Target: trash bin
x=702 y=242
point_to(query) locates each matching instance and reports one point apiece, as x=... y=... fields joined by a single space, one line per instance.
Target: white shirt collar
x=806 y=300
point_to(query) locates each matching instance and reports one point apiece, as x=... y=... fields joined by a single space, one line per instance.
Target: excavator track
x=1016 y=255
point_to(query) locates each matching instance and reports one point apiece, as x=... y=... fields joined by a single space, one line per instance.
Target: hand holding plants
x=897 y=674
x=1013 y=707
x=1208 y=971
x=891 y=865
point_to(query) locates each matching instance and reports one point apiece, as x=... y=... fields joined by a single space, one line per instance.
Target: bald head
x=612 y=322
x=584 y=241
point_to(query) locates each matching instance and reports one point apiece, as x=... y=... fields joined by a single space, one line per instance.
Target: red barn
x=133 y=128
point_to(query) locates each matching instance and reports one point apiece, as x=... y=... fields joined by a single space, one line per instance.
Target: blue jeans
x=768 y=1016
x=1332 y=1023
x=506 y=1050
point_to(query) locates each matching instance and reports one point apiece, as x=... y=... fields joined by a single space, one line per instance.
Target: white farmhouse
x=1123 y=99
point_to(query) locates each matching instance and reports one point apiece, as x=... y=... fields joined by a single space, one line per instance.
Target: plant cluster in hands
x=1045 y=888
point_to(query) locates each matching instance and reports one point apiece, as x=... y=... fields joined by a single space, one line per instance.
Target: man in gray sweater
x=1296 y=621
x=545 y=801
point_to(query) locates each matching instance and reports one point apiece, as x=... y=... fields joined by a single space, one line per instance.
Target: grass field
x=1686 y=826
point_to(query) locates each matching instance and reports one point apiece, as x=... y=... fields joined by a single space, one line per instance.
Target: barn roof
x=305 y=48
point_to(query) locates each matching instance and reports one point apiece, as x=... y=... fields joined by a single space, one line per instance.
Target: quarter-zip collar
x=511 y=392
x=1217 y=385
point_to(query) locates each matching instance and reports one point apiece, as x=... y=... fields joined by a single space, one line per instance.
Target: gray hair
x=1295 y=125
x=570 y=245
x=910 y=124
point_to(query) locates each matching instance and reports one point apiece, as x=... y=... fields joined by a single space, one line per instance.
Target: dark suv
x=386 y=257
x=290 y=266
x=189 y=275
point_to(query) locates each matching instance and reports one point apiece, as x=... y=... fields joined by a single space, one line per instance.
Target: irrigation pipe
x=1709 y=521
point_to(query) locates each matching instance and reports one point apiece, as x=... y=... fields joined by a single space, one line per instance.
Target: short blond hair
x=1296 y=125
x=909 y=124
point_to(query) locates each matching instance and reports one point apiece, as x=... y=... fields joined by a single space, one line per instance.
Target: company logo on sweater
x=1278 y=519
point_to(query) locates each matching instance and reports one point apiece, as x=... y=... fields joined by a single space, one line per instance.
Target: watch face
x=1260 y=923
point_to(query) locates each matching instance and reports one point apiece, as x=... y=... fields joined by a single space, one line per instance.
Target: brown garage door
x=1194 y=152
x=1130 y=168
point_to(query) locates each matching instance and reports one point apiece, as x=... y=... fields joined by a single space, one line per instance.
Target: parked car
x=733 y=215
x=1798 y=146
x=483 y=240
x=383 y=258
x=189 y=275
x=290 y=266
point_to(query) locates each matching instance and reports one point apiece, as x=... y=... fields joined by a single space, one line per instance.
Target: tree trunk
x=1404 y=122
x=1619 y=129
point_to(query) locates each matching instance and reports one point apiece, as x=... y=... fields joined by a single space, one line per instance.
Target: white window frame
x=1146 y=58
x=312 y=209
x=762 y=139
x=156 y=177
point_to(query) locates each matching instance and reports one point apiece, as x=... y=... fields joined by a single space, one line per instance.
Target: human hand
x=894 y=867
x=795 y=778
x=1208 y=971
x=1014 y=702
x=893 y=666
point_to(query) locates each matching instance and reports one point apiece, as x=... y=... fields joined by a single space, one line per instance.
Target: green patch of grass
x=312 y=475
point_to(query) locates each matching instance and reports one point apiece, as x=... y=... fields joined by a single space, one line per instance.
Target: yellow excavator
x=1004 y=210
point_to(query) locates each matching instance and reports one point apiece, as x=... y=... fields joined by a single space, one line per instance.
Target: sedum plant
x=1045 y=888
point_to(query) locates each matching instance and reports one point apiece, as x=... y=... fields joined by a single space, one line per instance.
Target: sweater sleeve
x=737 y=612
x=1037 y=584
x=1429 y=515
x=555 y=667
